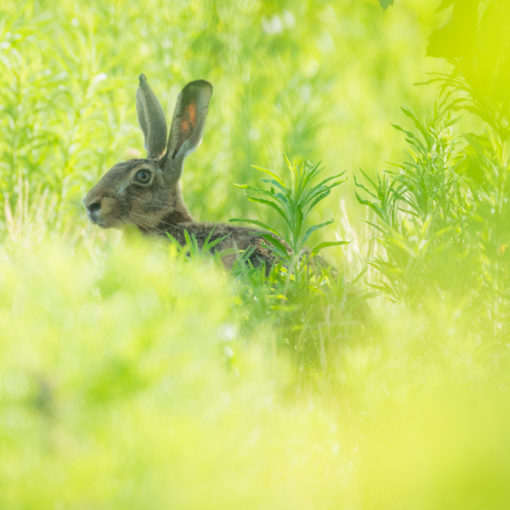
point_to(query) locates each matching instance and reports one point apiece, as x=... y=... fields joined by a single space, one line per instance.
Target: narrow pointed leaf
x=327 y=244
x=258 y=223
x=314 y=228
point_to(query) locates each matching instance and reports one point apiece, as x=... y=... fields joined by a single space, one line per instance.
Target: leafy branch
x=293 y=201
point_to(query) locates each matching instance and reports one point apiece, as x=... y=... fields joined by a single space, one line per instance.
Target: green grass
x=129 y=380
x=134 y=376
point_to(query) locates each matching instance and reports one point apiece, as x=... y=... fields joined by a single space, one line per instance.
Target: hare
x=146 y=192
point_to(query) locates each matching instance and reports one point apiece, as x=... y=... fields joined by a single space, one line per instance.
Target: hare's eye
x=143 y=176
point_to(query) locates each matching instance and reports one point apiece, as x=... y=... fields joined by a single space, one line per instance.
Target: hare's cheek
x=144 y=212
x=111 y=210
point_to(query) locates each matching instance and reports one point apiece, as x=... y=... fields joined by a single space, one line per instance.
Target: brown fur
x=157 y=207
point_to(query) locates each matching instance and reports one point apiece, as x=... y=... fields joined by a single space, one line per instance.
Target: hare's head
x=144 y=191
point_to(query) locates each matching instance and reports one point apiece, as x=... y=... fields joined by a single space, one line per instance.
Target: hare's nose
x=93 y=209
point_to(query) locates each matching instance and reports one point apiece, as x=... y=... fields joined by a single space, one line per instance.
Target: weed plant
x=307 y=294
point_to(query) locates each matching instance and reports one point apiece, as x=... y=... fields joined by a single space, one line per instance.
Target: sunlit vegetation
x=137 y=374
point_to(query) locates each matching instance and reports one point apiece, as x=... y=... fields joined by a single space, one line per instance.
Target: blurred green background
x=134 y=377
x=317 y=80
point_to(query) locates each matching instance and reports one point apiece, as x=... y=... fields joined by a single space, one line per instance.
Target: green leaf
x=260 y=224
x=270 y=204
x=275 y=176
x=385 y=3
x=277 y=245
x=208 y=246
x=318 y=198
x=314 y=228
x=327 y=244
x=458 y=38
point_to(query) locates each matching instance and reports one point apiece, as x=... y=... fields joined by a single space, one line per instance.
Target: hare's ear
x=189 y=120
x=151 y=119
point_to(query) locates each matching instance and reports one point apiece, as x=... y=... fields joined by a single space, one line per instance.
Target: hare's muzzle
x=93 y=208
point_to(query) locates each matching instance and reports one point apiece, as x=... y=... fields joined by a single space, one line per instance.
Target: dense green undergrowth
x=138 y=375
x=130 y=379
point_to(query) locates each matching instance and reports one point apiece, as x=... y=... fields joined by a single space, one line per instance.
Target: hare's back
x=230 y=238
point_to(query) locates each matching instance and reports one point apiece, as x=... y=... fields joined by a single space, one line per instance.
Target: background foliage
x=313 y=80
x=133 y=376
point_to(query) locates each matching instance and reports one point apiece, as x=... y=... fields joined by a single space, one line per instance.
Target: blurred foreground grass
x=126 y=384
